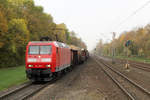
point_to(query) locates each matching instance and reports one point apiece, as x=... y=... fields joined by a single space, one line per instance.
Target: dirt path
x=85 y=82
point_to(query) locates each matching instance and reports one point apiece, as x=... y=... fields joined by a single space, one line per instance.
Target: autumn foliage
x=20 y=22
x=139 y=47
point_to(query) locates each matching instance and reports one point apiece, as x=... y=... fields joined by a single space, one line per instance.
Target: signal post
x=127 y=53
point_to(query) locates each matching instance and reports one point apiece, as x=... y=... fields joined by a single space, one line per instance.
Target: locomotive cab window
x=40 y=49
x=33 y=50
x=45 y=49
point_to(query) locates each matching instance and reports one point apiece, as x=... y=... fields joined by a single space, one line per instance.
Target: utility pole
x=113 y=47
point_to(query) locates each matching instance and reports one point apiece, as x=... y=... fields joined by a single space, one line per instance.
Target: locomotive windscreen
x=40 y=49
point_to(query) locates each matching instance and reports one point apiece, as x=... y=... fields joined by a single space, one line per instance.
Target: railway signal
x=127 y=44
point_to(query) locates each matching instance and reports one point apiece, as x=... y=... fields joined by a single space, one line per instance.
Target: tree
x=22 y=21
x=3 y=29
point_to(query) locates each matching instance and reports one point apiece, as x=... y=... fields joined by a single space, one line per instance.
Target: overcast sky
x=97 y=19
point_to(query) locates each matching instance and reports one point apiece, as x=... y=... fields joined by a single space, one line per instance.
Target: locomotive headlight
x=48 y=65
x=31 y=60
x=46 y=60
x=30 y=65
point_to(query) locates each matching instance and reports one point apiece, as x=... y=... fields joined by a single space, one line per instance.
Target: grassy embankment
x=12 y=76
x=139 y=59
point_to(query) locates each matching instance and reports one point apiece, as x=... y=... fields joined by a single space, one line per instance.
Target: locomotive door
x=58 y=56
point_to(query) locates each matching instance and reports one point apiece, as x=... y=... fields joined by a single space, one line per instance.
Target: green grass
x=12 y=76
x=139 y=59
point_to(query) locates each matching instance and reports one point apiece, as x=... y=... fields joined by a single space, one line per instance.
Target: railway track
x=28 y=90
x=133 y=90
x=4 y=95
x=23 y=92
x=138 y=65
x=142 y=67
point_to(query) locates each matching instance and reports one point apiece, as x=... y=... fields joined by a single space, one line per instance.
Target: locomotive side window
x=45 y=49
x=34 y=50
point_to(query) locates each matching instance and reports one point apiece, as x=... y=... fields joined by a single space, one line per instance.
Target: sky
x=93 y=20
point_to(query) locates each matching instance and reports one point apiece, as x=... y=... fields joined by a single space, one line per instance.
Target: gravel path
x=85 y=82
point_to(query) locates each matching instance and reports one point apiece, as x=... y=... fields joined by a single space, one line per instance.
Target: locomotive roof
x=41 y=41
x=57 y=44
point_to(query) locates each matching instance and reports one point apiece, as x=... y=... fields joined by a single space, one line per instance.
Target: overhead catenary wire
x=133 y=13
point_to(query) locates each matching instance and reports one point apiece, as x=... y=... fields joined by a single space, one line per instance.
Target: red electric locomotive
x=44 y=58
